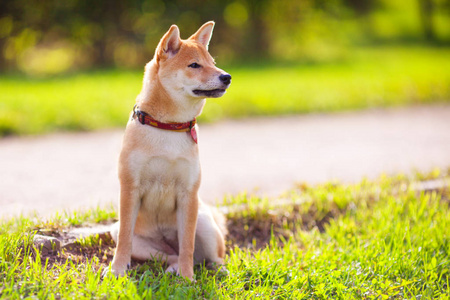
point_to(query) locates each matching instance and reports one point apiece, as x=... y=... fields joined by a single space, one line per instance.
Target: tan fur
x=159 y=170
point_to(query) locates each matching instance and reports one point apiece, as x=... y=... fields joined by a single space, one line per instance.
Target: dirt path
x=78 y=171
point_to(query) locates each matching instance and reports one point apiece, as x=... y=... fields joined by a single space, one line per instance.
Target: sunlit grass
x=367 y=78
x=78 y=102
x=371 y=240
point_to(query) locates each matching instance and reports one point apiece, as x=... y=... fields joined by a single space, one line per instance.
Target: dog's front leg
x=187 y=212
x=128 y=211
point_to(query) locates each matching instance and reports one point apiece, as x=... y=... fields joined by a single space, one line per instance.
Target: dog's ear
x=203 y=35
x=170 y=43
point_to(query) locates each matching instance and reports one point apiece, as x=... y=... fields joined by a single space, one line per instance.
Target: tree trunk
x=426 y=14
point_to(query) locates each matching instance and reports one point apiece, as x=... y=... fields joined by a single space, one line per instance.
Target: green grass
x=365 y=78
x=372 y=240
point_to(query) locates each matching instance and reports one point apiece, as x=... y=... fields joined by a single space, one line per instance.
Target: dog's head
x=185 y=67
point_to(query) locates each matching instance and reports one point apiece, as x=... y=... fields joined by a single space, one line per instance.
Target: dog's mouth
x=209 y=93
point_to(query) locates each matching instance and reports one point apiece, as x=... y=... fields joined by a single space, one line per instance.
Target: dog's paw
x=173 y=268
x=106 y=271
x=116 y=270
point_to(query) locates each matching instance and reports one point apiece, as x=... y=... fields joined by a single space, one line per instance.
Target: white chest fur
x=163 y=165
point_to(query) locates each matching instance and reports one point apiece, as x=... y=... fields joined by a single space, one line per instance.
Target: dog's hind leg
x=144 y=248
x=209 y=239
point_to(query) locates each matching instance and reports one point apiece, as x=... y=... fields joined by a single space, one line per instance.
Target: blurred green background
x=77 y=65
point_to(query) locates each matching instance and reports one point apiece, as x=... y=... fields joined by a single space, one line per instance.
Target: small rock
x=101 y=230
x=46 y=244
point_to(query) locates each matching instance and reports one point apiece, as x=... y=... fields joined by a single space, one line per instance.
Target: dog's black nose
x=225 y=78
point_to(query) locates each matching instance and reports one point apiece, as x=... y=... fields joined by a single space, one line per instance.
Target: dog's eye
x=194 y=65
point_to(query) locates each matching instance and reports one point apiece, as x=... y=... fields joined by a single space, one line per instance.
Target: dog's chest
x=165 y=166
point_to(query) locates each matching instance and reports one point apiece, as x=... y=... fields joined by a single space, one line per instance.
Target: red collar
x=146 y=119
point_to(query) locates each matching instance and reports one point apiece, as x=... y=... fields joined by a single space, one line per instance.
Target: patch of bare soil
x=72 y=249
x=256 y=233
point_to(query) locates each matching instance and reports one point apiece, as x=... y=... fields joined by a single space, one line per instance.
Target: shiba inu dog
x=160 y=214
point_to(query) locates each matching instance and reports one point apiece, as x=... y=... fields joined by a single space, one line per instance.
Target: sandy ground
x=71 y=171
